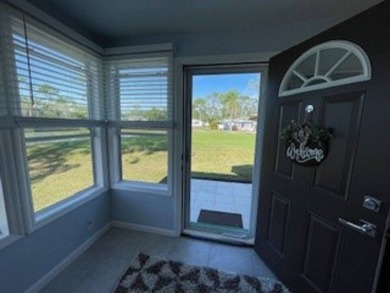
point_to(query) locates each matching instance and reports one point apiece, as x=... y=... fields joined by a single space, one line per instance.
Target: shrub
x=214 y=125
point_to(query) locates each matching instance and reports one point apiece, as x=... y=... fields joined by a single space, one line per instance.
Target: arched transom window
x=326 y=65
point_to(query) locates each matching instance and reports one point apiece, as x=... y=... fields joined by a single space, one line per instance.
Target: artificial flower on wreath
x=306 y=133
x=306 y=143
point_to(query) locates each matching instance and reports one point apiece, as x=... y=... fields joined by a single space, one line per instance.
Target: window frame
x=15 y=205
x=62 y=207
x=39 y=214
x=116 y=125
x=15 y=175
x=148 y=187
x=138 y=186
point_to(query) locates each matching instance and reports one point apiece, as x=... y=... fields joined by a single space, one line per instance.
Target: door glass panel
x=326 y=65
x=223 y=135
x=350 y=67
x=306 y=68
x=294 y=82
x=328 y=58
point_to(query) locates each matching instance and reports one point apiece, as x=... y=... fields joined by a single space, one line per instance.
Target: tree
x=230 y=104
x=155 y=114
x=248 y=106
x=43 y=105
x=219 y=106
x=199 y=109
x=213 y=107
x=48 y=102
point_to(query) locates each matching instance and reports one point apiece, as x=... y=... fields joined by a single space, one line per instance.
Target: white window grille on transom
x=329 y=64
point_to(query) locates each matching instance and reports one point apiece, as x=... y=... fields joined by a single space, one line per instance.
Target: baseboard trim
x=45 y=280
x=144 y=228
x=41 y=283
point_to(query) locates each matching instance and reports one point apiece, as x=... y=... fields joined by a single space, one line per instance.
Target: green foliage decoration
x=306 y=133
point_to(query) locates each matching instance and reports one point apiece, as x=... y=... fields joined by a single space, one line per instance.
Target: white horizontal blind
x=3 y=101
x=10 y=26
x=140 y=88
x=55 y=77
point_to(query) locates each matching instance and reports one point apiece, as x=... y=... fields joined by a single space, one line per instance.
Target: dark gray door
x=301 y=233
x=310 y=229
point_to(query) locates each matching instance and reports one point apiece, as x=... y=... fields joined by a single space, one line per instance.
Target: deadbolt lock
x=372 y=203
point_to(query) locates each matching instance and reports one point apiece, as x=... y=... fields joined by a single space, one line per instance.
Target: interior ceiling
x=108 y=21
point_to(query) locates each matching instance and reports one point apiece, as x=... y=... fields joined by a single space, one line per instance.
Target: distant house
x=197 y=123
x=245 y=125
x=239 y=124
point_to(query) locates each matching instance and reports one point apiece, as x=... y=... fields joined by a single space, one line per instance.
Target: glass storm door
x=221 y=118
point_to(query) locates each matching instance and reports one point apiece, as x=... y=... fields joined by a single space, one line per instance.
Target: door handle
x=364 y=227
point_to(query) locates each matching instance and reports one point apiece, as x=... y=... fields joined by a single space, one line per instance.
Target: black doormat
x=220 y=218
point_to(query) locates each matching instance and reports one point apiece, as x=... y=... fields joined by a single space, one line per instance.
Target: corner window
x=326 y=65
x=140 y=89
x=54 y=97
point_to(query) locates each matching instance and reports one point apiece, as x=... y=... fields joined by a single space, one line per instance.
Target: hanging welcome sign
x=306 y=144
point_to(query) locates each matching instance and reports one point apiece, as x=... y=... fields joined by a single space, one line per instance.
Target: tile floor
x=221 y=196
x=100 y=267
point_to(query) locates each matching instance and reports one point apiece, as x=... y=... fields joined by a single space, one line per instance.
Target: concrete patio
x=223 y=196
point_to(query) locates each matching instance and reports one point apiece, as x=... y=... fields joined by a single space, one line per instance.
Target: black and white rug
x=152 y=274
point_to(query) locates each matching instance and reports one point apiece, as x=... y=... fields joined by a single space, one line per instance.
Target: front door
x=310 y=226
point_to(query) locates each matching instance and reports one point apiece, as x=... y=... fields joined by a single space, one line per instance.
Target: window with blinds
x=140 y=88
x=10 y=21
x=140 y=92
x=50 y=75
x=44 y=75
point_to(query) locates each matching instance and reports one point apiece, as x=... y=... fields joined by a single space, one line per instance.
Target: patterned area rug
x=151 y=274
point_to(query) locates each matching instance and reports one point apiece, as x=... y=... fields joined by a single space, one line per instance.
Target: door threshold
x=226 y=237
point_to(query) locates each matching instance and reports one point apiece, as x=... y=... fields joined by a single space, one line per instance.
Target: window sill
x=56 y=211
x=153 y=189
x=8 y=240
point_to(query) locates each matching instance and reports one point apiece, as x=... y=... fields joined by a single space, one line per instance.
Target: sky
x=244 y=83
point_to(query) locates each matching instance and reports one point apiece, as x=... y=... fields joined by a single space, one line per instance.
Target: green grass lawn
x=145 y=157
x=59 y=169
x=222 y=155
